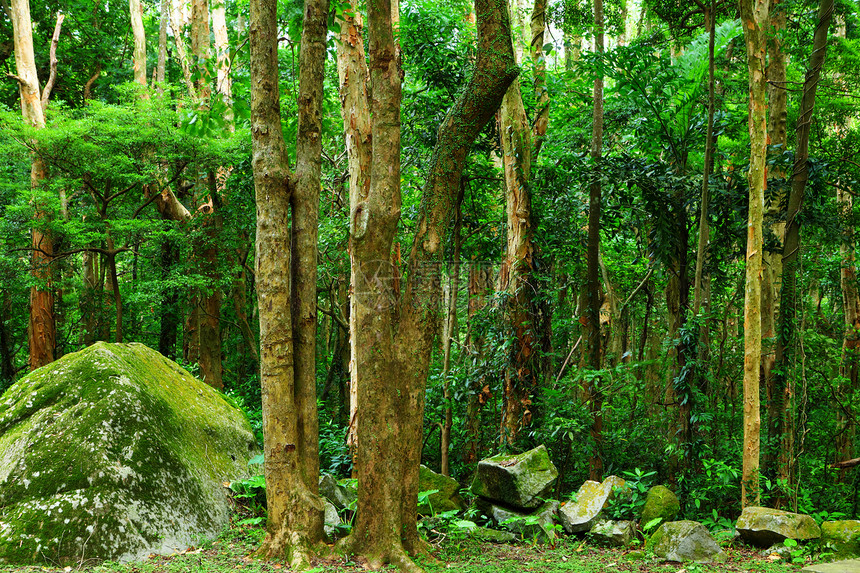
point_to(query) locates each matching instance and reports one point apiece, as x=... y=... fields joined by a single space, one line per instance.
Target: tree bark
x=394 y=331
x=754 y=15
x=294 y=508
x=850 y=363
x=480 y=284
x=162 y=44
x=592 y=323
x=538 y=28
x=42 y=326
x=139 y=53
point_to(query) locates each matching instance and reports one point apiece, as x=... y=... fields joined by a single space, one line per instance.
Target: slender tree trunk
x=592 y=323
x=850 y=363
x=788 y=304
x=294 y=508
x=541 y=122
x=200 y=47
x=223 y=84
x=772 y=261
x=170 y=302
x=480 y=284
x=450 y=334
x=162 y=43
x=7 y=364
x=754 y=15
x=177 y=24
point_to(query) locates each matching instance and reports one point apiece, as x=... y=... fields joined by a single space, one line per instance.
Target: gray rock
x=660 y=503
x=447 y=497
x=492 y=535
x=764 y=527
x=578 y=516
x=529 y=526
x=337 y=494
x=849 y=566
x=615 y=533
x=115 y=452
x=331 y=520
x=520 y=480
x=685 y=541
x=842 y=536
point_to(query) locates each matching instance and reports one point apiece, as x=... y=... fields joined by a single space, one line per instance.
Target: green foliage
x=628 y=501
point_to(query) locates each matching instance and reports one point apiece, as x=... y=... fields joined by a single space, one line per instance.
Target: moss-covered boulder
x=685 y=541
x=517 y=480
x=842 y=536
x=661 y=503
x=447 y=496
x=613 y=533
x=763 y=526
x=580 y=515
x=114 y=452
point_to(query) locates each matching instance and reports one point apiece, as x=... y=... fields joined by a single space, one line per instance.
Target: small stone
x=492 y=535
x=614 y=533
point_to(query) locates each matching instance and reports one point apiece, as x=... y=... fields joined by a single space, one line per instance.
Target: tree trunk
x=541 y=122
x=289 y=406
x=480 y=284
x=787 y=329
x=592 y=323
x=139 y=54
x=200 y=47
x=772 y=261
x=42 y=326
x=515 y=273
x=7 y=365
x=177 y=23
x=754 y=15
x=393 y=336
x=850 y=363
x=162 y=44
x=169 y=303
x=450 y=334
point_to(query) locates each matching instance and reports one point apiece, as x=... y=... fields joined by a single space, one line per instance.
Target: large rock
x=763 y=526
x=661 y=503
x=331 y=519
x=520 y=480
x=115 y=452
x=842 y=536
x=685 y=541
x=338 y=495
x=537 y=525
x=579 y=516
x=447 y=496
x=615 y=533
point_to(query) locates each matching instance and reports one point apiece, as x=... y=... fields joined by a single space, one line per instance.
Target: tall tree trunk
x=772 y=261
x=541 y=122
x=450 y=334
x=289 y=405
x=592 y=323
x=177 y=23
x=170 y=302
x=162 y=43
x=754 y=15
x=850 y=363
x=515 y=273
x=139 y=54
x=200 y=47
x=788 y=303
x=393 y=336
x=42 y=326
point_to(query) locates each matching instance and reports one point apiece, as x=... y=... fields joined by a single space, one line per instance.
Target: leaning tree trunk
x=788 y=303
x=754 y=15
x=394 y=331
x=289 y=406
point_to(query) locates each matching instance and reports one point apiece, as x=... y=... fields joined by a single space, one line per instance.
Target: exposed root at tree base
x=298 y=554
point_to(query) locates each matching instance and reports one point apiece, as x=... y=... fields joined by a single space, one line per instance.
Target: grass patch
x=232 y=552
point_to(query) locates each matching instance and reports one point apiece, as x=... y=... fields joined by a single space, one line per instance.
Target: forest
x=409 y=232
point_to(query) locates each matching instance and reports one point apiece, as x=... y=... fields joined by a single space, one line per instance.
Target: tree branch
x=52 y=79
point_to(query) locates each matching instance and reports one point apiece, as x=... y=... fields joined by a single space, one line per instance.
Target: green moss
x=114 y=452
x=842 y=536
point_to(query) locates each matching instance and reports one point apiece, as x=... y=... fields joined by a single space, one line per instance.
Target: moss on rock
x=842 y=536
x=447 y=496
x=519 y=480
x=114 y=452
x=763 y=526
x=685 y=541
x=661 y=503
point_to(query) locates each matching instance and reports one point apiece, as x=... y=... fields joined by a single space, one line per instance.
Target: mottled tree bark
x=289 y=405
x=394 y=331
x=754 y=15
x=139 y=53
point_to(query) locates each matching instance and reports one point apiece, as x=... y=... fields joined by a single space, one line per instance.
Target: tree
x=754 y=14
x=286 y=289
x=394 y=329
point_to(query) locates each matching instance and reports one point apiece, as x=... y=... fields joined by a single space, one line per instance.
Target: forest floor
x=233 y=552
